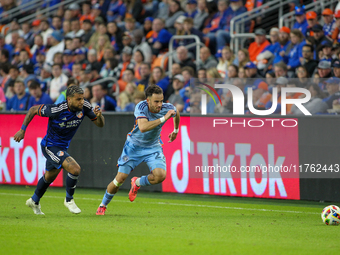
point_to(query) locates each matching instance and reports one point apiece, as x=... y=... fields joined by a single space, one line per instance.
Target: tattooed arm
x=29 y=116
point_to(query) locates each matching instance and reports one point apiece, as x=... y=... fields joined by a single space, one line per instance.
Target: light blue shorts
x=132 y=155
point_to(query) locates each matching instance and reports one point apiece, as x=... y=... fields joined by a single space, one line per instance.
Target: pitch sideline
x=175 y=204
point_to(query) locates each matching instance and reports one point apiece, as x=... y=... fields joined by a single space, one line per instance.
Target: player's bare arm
x=29 y=116
x=100 y=121
x=173 y=135
x=145 y=125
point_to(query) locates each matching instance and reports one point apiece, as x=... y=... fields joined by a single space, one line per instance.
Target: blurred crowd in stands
x=115 y=49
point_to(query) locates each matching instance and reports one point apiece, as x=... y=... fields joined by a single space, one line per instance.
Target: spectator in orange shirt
x=258 y=46
x=75 y=10
x=336 y=31
x=86 y=8
x=261 y=95
x=292 y=84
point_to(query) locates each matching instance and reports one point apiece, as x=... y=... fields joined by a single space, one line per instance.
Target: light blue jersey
x=144 y=147
x=150 y=138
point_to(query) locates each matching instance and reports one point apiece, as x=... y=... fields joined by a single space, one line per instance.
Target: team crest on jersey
x=125 y=158
x=60 y=153
x=79 y=114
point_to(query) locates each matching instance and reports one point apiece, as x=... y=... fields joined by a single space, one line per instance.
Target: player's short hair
x=72 y=90
x=153 y=89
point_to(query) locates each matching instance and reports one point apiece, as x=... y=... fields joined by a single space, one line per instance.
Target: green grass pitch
x=160 y=223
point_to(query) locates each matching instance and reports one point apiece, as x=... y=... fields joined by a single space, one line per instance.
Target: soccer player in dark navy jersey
x=143 y=144
x=64 y=120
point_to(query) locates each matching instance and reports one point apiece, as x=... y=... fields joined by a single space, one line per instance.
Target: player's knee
x=76 y=170
x=120 y=178
x=160 y=177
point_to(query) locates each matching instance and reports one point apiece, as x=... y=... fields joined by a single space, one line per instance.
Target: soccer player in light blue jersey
x=143 y=144
x=64 y=120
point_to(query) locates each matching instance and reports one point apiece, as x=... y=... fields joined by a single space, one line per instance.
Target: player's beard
x=74 y=108
x=157 y=110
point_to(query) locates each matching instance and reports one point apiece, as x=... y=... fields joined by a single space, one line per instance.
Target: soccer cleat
x=101 y=210
x=134 y=189
x=35 y=207
x=72 y=206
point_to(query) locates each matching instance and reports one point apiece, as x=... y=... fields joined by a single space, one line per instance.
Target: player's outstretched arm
x=100 y=121
x=145 y=125
x=29 y=116
x=174 y=133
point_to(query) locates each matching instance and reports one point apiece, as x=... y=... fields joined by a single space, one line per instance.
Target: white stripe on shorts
x=53 y=157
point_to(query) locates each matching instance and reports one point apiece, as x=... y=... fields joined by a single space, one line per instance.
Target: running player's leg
x=42 y=185
x=126 y=163
x=53 y=167
x=73 y=169
x=112 y=188
x=156 y=176
x=155 y=160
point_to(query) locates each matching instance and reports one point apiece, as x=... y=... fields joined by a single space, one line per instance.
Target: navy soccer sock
x=71 y=182
x=40 y=189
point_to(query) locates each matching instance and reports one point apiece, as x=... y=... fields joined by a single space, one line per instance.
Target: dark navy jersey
x=63 y=123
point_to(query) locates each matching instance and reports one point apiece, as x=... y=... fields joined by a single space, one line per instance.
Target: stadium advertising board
x=22 y=163
x=237 y=160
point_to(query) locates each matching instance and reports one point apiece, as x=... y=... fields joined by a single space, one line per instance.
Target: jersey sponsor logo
x=60 y=153
x=79 y=114
x=73 y=123
x=64 y=118
x=62 y=124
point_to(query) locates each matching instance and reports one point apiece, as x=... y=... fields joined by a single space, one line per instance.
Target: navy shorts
x=54 y=157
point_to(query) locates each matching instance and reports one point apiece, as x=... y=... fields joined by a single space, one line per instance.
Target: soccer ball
x=331 y=215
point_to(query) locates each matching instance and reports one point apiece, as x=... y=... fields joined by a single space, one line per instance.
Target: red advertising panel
x=234 y=157
x=22 y=163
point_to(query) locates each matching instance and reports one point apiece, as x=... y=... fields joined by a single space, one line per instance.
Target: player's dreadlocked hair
x=153 y=89
x=71 y=90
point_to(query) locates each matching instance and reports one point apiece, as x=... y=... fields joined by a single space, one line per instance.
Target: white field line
x=174 y=204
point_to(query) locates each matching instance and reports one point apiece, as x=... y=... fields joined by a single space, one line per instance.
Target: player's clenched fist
x=169 y=114
x=97 y=111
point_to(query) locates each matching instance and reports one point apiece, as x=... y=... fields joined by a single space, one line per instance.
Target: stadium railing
x=288 y=19
x=112 y=79
x=29 y=6
x=237 y=24
x=47 y=11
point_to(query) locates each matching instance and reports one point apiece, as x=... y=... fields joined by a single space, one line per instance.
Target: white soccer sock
x=138 y=182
